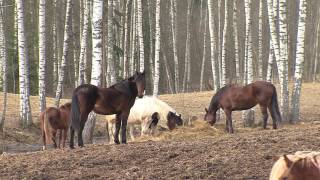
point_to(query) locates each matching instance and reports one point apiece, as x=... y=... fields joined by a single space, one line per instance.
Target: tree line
x=49 y=47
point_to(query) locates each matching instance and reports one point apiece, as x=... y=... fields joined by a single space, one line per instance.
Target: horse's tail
x=75 y=113
x=274 y=106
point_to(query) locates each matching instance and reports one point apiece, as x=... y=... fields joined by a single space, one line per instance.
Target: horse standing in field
x=303 y=165
x=148 y=112
x=117 y=99
x=233 y=98
x=52 y=120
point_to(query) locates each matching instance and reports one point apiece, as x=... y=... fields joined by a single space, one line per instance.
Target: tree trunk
x=126 y=42
x=187 y=51
x=42 y=55
x=140 y=35
x=236 y=42
x=157 y=52
x=66 y=47
x=214 y=63
x=3 y=67
x=204 y=49
x=151 y=42
x=270 y=62
x=111 y=42
x=96 y=63
x=84 y=41
x=283 y=74
x=173 y=13
x=133 y=38
x=260 y=49
x=295 y=101
x=25 y=111
x=224 y=45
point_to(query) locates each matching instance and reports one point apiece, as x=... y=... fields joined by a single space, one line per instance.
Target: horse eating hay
x=232 y=98
x=304 y=165
x=52 y=120
x=117 y=99
x=143 y=112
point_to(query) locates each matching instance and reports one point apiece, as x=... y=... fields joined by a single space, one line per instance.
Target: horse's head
x=140 y=80
x=173 y=119
x=210 y=117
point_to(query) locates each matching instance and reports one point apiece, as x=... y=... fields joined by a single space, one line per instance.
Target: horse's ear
x=131 y=78
x=287 y=160
x=143 y=72
x=206 y=110
x=137 y=73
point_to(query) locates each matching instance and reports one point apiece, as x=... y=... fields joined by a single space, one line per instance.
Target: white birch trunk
x=126 y=42
x=295 y=101
x=204 y=49
x=173 y=13
x=224 y=45
x=3 y=68
x=187 y=51
x=140 y=35
x=248 y=115
x=236 y=42
x=25 y=112
x=111 y=42
x=133 y=38
x=66 y=47
x=84 y=42
x=42 y=55
x=151 y=39
x=96 y=71
x=260 y=49
x=314 y=79
x=270 y=62
x=283 y=74
x=214 y=63
x=157 y=52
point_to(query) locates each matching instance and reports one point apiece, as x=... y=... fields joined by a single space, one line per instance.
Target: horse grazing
x=233 y=98
x=117 y=99
x=148 y=112
x=52 y=120
x=303 y=165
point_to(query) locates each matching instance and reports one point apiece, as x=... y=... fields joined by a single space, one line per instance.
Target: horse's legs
x=83 y=119
x=274 y=119
x=65 y=132
x=44 y=140
x=71 y=137
x=60 y=137
x=117 y=129
x=124 y=119
x=227 y=125
x=131 y=129
x=264 y=112
x=54 y=133
x=229 y=120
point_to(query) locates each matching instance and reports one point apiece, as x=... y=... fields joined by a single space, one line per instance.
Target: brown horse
x=298 y=166
x=52 y=120
x=117 y=99
x=233 y=98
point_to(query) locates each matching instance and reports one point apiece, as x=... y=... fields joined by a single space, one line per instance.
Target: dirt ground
x=198 y=151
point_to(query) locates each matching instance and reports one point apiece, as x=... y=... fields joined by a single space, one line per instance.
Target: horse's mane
x=215 y=100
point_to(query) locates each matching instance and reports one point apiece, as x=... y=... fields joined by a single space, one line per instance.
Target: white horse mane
x=143 y=109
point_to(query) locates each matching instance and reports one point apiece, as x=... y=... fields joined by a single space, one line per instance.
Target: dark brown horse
x=233 y=98
x=117 y=99
x=52 y=120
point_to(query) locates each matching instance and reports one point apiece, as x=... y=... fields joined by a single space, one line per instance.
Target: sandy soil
x=198 y=151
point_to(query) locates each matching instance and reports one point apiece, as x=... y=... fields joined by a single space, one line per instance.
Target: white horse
x=148 y=112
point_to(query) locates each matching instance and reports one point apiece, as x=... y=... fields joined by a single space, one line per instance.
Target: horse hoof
x=116 y=141
x=71 y=147
x=124 y=142
x=43 y=148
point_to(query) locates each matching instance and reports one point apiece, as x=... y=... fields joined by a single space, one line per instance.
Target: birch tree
x=66 y=47
x=204 y=49
x=283 y=37
x=3 y=67
x=214 y=63
x=260 y=58
x=25 y=110
x=126 y=38
x=151 y=41
x=224 y=45
x=111 y=42
x=84 y=43
x=173 y=13
x=96 y=71
x=187 y=51
x=42 y=55
x=295 y=100
x=236 y=42
x=140 y=35
x=248 y=114
x=133 y=37
x=157 y=52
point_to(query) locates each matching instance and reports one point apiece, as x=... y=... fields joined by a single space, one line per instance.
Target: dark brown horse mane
x=215 y=100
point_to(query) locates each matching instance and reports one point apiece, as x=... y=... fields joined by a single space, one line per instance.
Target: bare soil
x=198 y=151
